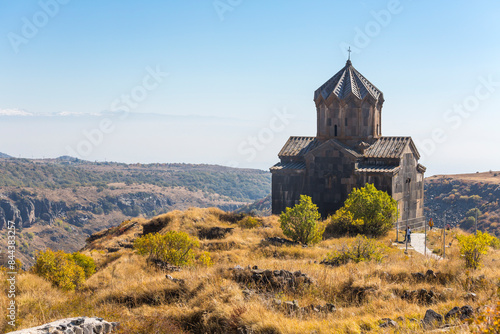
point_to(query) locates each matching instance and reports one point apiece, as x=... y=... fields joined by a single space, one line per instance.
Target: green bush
x=66 y=271
x=205 y=259
x=359 y=250
x=250 y=222
x=472 y=247
x=301 y=223
x=366 y=211
x=342 y=223
x=174 y=247
x=85 y=262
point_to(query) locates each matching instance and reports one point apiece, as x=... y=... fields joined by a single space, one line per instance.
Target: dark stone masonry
x=348 y=152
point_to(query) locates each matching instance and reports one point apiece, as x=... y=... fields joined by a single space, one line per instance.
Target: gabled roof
x=348 y=80
x=335 y=143
x=288 y=165
x=298 y=146
x=390 y=147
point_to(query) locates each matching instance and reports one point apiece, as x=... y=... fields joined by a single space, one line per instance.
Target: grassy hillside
x=229 y=298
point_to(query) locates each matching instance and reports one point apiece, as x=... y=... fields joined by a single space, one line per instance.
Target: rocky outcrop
x=271 y=279
x=421 y=296
x=463 y=313
x=215 y=232
x=432 y=319
x=292 y=307
x=9 y=212
x=81 y=325
x=277 y=241
x=25 y=209
x=387 y=322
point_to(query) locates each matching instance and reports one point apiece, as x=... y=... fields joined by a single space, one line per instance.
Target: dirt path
x=418 y=244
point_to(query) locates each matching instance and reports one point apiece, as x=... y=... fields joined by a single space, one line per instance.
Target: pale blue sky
x=232 y=64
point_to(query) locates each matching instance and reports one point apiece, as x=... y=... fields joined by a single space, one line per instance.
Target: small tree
x=367 y=211
x=174 y=247
x=301 y=223
x=343 y=222
x=67 y=271
x=472 y=247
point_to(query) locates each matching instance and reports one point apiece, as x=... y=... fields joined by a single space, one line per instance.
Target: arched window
x=335 y=130
x=378 y=129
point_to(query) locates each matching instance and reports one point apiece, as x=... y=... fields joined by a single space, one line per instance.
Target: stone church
x=348 y=152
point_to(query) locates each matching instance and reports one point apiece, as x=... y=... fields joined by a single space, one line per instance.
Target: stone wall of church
x=381 y=181
x=408 y=190
x=287 y=186
x=352 y=119
x=330 y=178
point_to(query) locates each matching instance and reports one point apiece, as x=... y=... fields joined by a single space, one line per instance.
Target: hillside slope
x=257 y=285
x=457 y=197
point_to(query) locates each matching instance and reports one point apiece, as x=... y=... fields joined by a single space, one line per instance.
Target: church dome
x=348 y=80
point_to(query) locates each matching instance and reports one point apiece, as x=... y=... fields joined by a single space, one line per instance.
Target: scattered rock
x=454 y=312
x=418 y=276
x=164 y=265
x=470 y=296
x=422 y=296
x=293 y=307
x=466 y=312
x=330 y=307
x=214 y=232
x=80 y=325
x=271 y=279
x=176 y=280
x=388 y=323
x=281 y=242
x=430 y=274
x=432 y=318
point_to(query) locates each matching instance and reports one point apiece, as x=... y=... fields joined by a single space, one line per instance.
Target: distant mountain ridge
x=4 y=156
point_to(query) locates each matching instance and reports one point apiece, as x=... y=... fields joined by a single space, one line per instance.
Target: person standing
x=408 y=235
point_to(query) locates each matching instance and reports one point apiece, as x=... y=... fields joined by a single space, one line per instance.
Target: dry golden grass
x=127 y=290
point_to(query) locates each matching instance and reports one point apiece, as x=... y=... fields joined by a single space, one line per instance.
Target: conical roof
x=348 y=80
